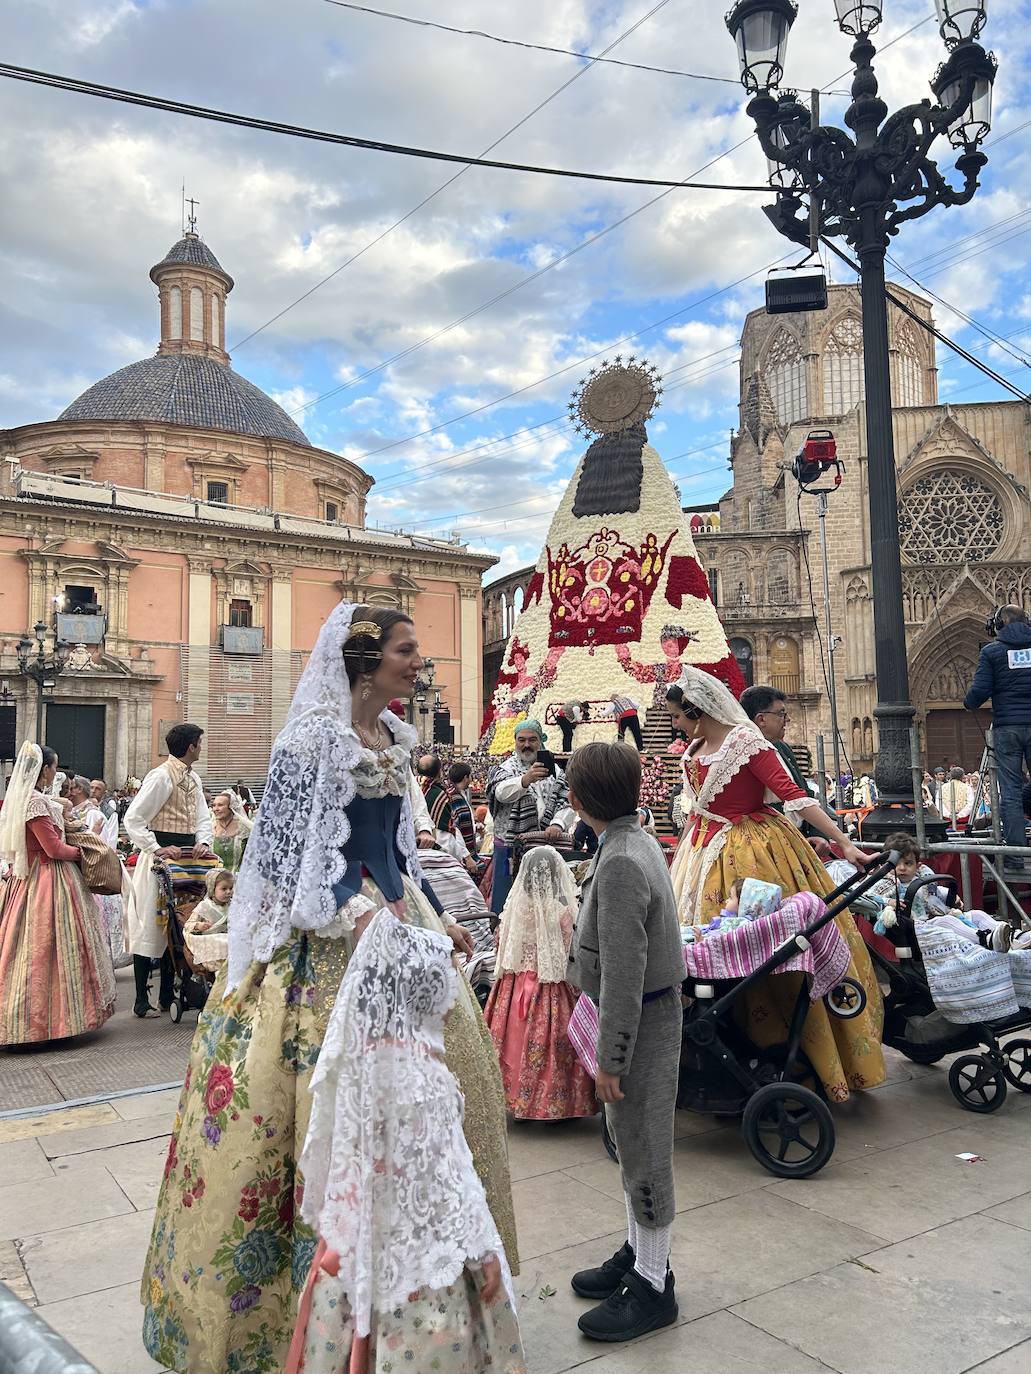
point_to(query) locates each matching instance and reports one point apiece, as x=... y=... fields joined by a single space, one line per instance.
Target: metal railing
x=29 y=1346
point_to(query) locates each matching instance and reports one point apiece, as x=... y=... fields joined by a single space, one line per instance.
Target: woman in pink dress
x=56 y=975
x=530 y=1004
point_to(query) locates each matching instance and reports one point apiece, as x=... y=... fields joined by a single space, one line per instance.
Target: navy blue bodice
x=372 y=846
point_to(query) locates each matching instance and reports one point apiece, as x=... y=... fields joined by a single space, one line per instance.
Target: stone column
x=199 y=642
x=121 y=742
x=281 y=645
x=471 y=665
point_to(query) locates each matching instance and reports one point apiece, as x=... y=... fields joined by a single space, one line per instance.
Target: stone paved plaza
x=897 y=1259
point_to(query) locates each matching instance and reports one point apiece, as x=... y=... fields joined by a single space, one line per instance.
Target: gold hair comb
x=365 y=627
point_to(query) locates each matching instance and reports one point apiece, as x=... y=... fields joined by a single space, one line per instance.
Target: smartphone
x=547 y=760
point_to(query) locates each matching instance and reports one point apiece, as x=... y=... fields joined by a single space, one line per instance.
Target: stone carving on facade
x=950 y=516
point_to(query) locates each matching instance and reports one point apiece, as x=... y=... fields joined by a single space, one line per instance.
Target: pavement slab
x=720 y=1342
x=53 y=1204
x=22 y=1160
x=148 y=1104
x=136 y=1168
x=105 y=1328
x=67 y=1263
x=90 y=1139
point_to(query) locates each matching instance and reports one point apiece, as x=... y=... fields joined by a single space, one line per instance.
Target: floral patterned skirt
x=529 y=1024
x=229 y=1254
x=437 y=1331
x=846 y=1055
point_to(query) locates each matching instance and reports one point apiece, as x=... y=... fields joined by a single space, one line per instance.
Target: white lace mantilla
x=532 y=939
x=389 y=1180
x=295 y=854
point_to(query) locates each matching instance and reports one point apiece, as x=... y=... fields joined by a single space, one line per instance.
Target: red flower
x=198 y=1188
x=286 y=1212
x=248 y=1208
x=187 y=1173
x=172 y=1158
x=189 y=1076
x=258 y=1119
x=219 y=1091
x=187 y=1199
x=269 y=1187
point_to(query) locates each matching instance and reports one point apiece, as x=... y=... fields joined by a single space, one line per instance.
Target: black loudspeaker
x=442 y=731
x=8 y=732
x=796 y=291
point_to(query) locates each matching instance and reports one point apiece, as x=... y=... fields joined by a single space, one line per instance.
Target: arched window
x=784 y=665
x=785 y=374
x=197 y=314
x=843 y=367
x=175 y=313
x=742 y=651
x=214 y=320
x=907 y=388
x=778 y=573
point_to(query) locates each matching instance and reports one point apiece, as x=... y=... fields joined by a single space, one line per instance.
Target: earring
x=366 y=688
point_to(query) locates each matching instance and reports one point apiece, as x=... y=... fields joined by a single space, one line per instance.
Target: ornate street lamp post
x=861 y=188
x=423 y=686
x=42 y=665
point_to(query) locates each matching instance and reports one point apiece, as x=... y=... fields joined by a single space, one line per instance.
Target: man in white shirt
x=168 y=817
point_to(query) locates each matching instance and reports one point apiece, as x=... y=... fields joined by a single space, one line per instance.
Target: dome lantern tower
x=192 y=289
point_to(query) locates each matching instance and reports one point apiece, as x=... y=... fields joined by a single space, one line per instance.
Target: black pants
x=142 y=966
x=633 y=724
x=567 y=727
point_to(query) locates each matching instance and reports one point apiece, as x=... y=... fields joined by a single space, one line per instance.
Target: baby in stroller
x=206 y=932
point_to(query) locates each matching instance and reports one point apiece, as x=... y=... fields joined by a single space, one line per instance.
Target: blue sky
x=92 y=200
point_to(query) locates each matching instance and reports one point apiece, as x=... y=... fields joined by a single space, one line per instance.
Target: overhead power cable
x=532 y=47
x=274 y=126
x=385 y=233
x=997 y=339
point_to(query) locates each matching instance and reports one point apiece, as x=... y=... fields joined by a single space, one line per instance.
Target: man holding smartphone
x=526 y=792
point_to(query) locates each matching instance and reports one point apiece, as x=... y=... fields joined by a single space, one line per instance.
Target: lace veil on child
x=409 y=1271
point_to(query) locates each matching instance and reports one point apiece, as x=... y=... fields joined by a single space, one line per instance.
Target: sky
x=442 y=357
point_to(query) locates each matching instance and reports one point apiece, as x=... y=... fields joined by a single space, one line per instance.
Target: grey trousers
x=642 y=1124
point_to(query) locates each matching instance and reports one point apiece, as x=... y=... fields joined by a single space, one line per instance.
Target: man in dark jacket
x=1004 y=674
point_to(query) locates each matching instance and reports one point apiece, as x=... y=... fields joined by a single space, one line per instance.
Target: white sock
x=631 y=1225
x=652 y=1254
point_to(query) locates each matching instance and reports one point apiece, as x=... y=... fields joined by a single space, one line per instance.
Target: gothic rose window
x=785 y=374
x=843 y=367
x=950 y=517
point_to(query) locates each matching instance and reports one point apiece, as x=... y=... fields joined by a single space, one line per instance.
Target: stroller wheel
x=788 y=1129
x=1017 y=1067
x=175 y=1010
x=976 y=1083
x=847 y=999
x=606 y=1138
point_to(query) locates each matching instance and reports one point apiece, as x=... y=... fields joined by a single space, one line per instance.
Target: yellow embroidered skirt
x=229 y=1254
x=845 y=1054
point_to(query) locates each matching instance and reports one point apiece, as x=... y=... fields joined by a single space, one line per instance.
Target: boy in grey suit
x=628 y=957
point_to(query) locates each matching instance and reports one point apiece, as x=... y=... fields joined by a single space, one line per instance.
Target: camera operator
x=1004 y=674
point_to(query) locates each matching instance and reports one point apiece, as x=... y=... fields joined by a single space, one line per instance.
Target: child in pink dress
x=410 y=1271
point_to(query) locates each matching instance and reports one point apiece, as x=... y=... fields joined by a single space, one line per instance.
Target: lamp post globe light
x=861 y=187
x=43 y=666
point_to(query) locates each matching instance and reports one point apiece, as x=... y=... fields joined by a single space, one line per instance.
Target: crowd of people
x=392 y=972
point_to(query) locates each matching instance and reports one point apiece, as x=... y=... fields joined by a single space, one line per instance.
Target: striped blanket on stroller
x=738 y=952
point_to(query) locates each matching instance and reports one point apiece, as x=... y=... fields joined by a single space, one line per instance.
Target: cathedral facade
x=178 y=529
x=964 y=474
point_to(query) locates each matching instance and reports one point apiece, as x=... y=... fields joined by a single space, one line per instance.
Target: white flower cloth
x=389 y=1181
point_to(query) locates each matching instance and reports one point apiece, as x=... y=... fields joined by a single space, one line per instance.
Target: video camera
x=816 y=458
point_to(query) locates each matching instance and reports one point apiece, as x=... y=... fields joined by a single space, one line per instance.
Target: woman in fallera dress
x=230 y=829
x=333 y=841
x=731 y=773
x=56 y=975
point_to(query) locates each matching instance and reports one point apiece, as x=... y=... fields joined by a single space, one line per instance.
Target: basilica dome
x=189 y=382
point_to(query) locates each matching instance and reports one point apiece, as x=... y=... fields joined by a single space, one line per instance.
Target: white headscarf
x=13 y=842
x=389 y=1181
x=710 y=695
x=295 y=854
x=531 y=939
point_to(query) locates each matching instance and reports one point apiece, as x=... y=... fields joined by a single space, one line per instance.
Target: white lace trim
x=742 y=744
x=798 y=804
x=531 y=938
x=389 y=1179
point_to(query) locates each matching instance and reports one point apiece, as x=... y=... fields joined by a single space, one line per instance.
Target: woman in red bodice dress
x=56 y=974
x=731 y=774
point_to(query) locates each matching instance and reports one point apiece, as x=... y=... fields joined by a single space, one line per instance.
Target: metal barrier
x=29 y=1346
x=964 y=848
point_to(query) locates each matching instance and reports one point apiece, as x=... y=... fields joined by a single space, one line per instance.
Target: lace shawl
x=295 y=853
x=532 y=939
x=389 y=1179
x=21 y=795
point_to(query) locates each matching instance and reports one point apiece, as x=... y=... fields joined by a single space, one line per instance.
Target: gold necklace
x=377 y=739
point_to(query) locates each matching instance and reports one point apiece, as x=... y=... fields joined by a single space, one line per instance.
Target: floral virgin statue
x=333 y=842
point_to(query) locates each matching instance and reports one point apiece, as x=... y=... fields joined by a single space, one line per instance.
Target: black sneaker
x=634 y=1309
x=603 y=1281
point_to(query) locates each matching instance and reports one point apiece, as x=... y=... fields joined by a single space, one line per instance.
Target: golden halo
x=615 y=396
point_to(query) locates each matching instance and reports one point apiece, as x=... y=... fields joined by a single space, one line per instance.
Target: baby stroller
x=915 y=1026
x=180 y=893
x=785 y=1120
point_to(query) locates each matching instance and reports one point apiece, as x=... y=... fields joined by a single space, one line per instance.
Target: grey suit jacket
x=627 y=938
